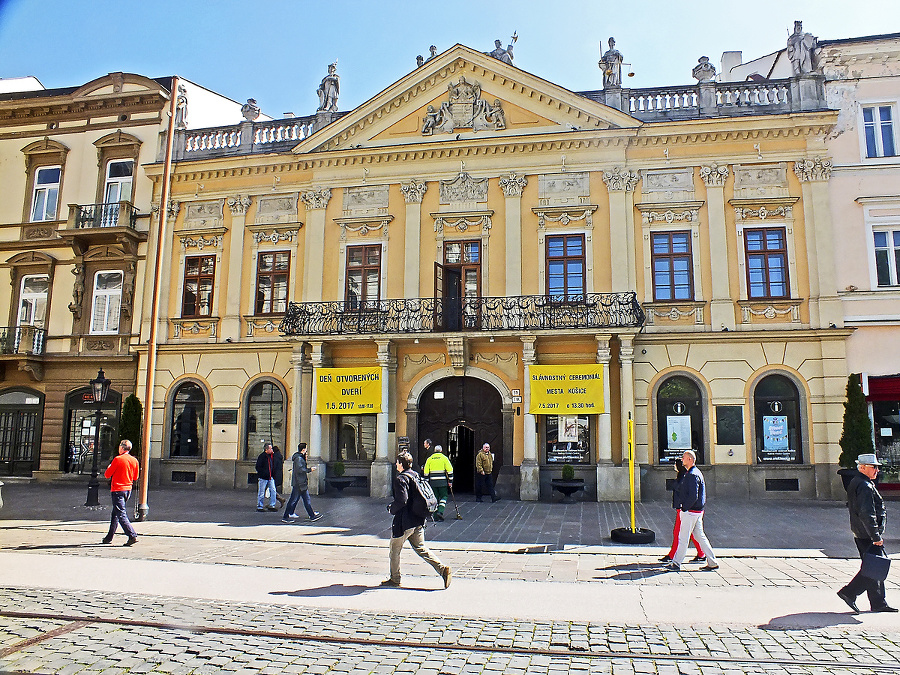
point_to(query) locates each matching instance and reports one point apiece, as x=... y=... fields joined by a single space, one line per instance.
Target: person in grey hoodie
x=300 y=487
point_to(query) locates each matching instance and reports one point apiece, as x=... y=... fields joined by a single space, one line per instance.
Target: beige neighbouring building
x=474 y=227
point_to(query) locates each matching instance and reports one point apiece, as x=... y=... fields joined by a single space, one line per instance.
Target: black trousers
x=484 y=484
x=859 y=583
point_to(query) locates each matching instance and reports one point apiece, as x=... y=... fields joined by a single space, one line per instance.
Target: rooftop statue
x=329 y=90
x=505 y=55
x=181 y=108
x=801 y=50
x=611 y=65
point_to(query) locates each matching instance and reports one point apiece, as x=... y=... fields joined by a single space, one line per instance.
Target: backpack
x=425 y=503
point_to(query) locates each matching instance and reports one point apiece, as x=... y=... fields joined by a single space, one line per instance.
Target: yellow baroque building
x=473 y=229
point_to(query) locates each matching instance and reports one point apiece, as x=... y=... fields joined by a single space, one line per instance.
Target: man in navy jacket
x=690 y=499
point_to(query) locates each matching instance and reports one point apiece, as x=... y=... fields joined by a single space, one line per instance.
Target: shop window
x=565 y=267
x=363 y=276
x=767 y=266
x=355 y=438
x=672 y=266
x=776 y=404
x=568 y=439
x=272 y=272
x=264 y=419
x=199 y=278
x=679 y=419
x=188 y=421
x=107 y=303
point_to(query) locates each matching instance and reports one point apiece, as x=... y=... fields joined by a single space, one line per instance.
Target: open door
x=447 y=298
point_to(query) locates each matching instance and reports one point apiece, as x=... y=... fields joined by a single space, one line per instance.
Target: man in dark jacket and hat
x=407 y=524
x=867 y=522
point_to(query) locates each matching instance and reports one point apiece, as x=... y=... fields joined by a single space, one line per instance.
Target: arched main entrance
x=461 y=414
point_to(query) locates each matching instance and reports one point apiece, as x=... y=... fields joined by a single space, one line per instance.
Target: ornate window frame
x=116 y=146
x=562 y=220
x=43 y=153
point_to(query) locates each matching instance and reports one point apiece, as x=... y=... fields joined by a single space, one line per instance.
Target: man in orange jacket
x=122 y=472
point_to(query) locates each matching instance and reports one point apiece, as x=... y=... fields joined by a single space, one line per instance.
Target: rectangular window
x=117 y=189
x=767 y=270
x=46 y=193
x=887 y=257
x=33 y=300
x=565 y=267
x=363 y=276
x=878 y=124
x=356 y=438
x=672 y=266
x=272 y=282
x=107 y=302
x=199 y=277
x=568 y=439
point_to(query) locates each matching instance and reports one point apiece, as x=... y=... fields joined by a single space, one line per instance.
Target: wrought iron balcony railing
x=113 y=214
x=431 y=315
x=22 y=340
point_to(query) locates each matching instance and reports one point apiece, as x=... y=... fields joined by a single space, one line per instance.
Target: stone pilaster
x=530 y=471
x=231 y=322
x=721 y=306
x=380 y=472
x=318 y=450
x=316 y=202
x=604 y=422
x=621 y=184
x=512 y=186
x=413 y=192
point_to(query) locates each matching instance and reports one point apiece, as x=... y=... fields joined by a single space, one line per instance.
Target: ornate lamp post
x=100 y=388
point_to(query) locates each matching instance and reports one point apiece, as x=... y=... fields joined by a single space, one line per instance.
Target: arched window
x=776 y=405
x=264 y=418
x=679 y=419
x=188 y=421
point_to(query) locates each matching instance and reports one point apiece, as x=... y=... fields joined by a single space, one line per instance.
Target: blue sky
x=278 y=51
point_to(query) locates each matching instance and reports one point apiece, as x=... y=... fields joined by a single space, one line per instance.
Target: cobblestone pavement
x=178 y=636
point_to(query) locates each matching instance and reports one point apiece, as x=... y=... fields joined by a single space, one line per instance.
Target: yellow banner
x=569 y=390
x=348 y=391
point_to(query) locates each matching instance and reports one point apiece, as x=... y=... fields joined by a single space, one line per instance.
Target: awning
x=884 y=388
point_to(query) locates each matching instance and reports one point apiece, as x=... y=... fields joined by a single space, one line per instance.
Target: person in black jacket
x=867 y=522
x=265 y=473
x=407 y=525
x=690 y=498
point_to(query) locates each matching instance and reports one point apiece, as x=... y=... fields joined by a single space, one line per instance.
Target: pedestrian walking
x=700 y=557
x=300 y=487
x=278 y=460
x=867 y=523
x=265 y=474
x=690 y=499
x=122 y=472
x=484 y=467
x=439 y=472
x=407 y=526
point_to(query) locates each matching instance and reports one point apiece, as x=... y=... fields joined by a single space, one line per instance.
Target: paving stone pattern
x=109 y=648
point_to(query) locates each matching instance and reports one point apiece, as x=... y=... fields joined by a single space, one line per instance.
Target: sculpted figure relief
x=611 y=65
x=801 y=50
x=329 y=90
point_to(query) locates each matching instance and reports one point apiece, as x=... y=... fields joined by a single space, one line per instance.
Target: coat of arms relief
x=464 y=109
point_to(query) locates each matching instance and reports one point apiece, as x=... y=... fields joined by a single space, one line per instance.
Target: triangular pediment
x=459 y=95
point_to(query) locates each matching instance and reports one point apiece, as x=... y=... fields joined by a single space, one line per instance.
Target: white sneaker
x=293 y=515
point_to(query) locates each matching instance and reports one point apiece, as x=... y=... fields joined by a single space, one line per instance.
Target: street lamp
x=99 y=388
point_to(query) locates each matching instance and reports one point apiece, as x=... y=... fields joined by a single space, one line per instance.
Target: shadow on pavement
x=633 y=572
x=338 y=590
x=44 y=547
x=811 y=620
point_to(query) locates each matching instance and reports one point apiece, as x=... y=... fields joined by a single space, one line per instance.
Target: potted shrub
x=339 y=481
x=856 y=437
x=568 y=484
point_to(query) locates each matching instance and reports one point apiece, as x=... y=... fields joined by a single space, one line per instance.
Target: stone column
x=413 y=192
x=296 y=398
x=380 y=472
x=530 y=471
x=231 y=322
x=824 y=304
x=721 y=306
x=165 y=276
x=318 y=453
x=512 y=186
x=604 y=422
x=621 y=184
x=316 y=201
x=626 y=362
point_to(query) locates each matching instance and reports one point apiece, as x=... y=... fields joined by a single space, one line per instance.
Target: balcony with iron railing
x=22 y=341
x=93 y=224
x=440 y=315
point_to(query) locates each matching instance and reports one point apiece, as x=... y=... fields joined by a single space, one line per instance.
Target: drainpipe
x=144 y=507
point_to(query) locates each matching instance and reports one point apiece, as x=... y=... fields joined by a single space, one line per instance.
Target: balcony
x=436 y=315
x=98 y=224
x=25 y=345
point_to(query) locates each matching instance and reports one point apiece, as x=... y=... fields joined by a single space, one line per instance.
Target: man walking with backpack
x=409 y=524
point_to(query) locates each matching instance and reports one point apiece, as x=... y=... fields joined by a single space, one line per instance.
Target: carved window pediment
x=275 y=234
x=277 y=209
x=565 y=215
x=467 y=222
x=669 y=212
x=780 y=208
x=362 y=226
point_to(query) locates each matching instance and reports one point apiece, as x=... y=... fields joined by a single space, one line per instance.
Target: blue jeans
x=296 y=495
x=120 y=514
x=261 y=495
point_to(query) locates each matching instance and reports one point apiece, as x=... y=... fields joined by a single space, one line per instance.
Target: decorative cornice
x=200 y=242
x=619 y=180
x=670 y=216
x=238 y=204
x=817 y=168
x=413 y=191
x=763 y=207
x=316 y=199
x=714 y=175
x=513 y=184
x=275 y=236
x=565 y=214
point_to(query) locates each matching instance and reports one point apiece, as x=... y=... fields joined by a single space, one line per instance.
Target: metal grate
x=184 y=476
x=782 y=485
